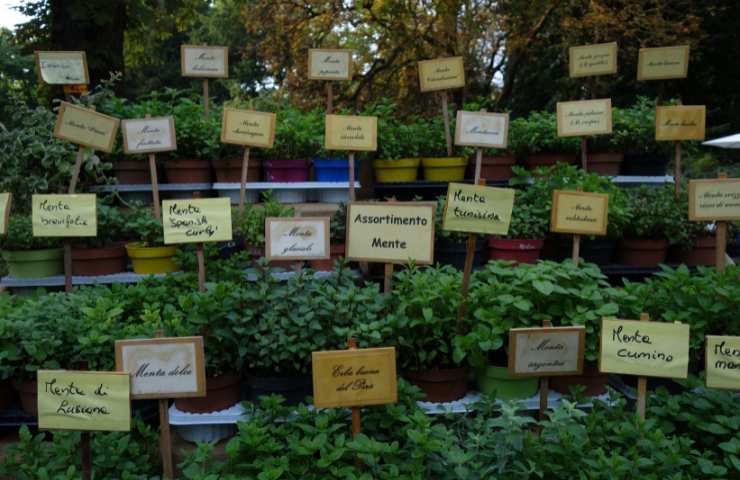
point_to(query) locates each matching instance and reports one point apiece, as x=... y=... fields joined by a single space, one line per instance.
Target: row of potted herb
x=267 y=329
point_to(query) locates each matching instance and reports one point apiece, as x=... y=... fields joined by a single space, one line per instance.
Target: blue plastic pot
x=333 y=169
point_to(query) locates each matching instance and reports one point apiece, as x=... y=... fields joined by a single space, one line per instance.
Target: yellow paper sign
x=482 y=129
x=86 y=127
x=441 y=74
x=69 y=400
x=547 y=351
x=391 y=233
x=248 y=127
x=204 y=61
x=297 y=238
x=351 y=132
x=354 y=378
x=163 y=367
x=723 y=362
x=714 y=199
x=680 y=122
x=149 y=135
x=4 y=212
x=663 y=63
x=579 y=212
x=592 y=60
x=64 y=215
x=587 y=117
x=478 y=209
x=648 y=349
x=196 y=220
x=329 y=64
x=62 y=68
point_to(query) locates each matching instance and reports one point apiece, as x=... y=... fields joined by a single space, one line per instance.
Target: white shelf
x=146 y=187
x=286 y=186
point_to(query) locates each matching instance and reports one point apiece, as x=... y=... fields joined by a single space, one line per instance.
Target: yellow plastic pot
x=151 y=260
x=444 y=169
x=401 y=170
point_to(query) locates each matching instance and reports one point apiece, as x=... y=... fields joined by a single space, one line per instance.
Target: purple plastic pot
x=285 y=170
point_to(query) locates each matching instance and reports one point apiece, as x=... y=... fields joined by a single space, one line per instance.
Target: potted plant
x=424 y=324
x=634 y=134
x=338 y=234
x=437 y=163
x=197 y=143
x=604 y=151
x=529 y=225
x=249 y=226
x=398 y=150
x=27 y=256
x=655 y=218
x=105 y=253
x=538 y=143
x=228 y=165
x=295 y=142
x=149 y=255
x=450 y=248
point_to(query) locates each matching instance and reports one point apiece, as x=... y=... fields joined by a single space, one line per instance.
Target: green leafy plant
x=538 y=133
x=19 y=236
x=145 y=226
x=338 y=225
x=250 y=225
x=654 y=213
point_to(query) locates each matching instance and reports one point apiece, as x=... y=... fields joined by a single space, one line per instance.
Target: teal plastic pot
x=34 y=263
x=496 y=381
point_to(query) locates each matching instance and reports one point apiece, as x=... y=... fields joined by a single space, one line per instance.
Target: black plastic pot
x=598 y=251
x=295 y=389
x=448 y=252
x=644 y=164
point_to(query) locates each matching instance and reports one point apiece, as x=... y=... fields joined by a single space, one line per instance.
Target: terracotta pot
x=98 y=261
x=642 y=252
x=28 y=395
x=521 y=250
x=7 y=394
x=443 y=385
x=703 y=253
x=230 y=171
x=336 y=251
x=222 y=392
x=492 y=168
x=294 y=388
x=188 y=171
x=594 y=381
x=548 y=159
x=605 y=163
x=131 y=171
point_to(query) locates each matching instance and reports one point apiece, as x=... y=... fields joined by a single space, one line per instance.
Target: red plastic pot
x=285 y=170
x=98 y=261
x=230 y=171
x=703 y=252
x=643 y=252
x=496 y=168
x=443 y=385
x=521 y=250
x=222 y=392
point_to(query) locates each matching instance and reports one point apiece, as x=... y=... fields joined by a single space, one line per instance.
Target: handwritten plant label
x=62 y=68
x=86 y=127
x=390 y=233
x=723 y=362
x=648 y=349
x=4 y=212
x=149 y=135
x=714 y=199
x=478 y=209
x=547 y=351
x=329 y=64
x=593 y=60
x=586 y=117
x=482 y=129
x=64 y=215
x=354 y=378
x=248 y=127
x=441 y=74
x=70 y=400
x=351 y=132
x=196 y=220
x=680 y=122
x=663 y=63
x=579 y=213
x=163 y=367
x=299 y=238
x=204 y=61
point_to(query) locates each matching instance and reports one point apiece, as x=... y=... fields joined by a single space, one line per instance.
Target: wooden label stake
x=642 y=383
x=86 y=455
x=243 y=184
x=576 y=252
x=388 y=278
x=469 y=256
x=584 y=153
x=165 y=438
x=155 y=183
x=205 y=97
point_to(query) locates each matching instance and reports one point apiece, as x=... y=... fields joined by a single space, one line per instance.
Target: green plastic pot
x=401 y=170
x=496 y=380
x=444 y=169
x=34 y=263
